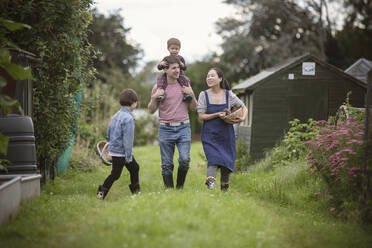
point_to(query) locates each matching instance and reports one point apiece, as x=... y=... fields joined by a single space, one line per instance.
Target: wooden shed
x=302 y=87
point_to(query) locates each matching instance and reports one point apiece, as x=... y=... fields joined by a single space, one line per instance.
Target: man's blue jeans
x=169 y=138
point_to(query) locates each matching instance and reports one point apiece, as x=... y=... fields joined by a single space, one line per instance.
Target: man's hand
x=188 y=90
x=159 y=92
x=154 y=104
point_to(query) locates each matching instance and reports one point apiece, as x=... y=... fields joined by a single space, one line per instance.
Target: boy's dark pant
x=117 y=167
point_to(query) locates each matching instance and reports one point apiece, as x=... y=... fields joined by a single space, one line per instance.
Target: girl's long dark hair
x=223 y=84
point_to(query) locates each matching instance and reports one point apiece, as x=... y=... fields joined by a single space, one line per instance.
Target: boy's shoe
x=134 y=188
x=101 y=192
x=187 y=98
x=210 y=183
x=161 y=98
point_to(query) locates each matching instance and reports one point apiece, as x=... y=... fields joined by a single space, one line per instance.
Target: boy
x=173 y=46
x=120 y=136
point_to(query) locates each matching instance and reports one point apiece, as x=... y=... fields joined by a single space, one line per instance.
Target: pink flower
x=332 y=209
x=352 y=141
x=319 y=122
x=352 y=170
x=329 y=147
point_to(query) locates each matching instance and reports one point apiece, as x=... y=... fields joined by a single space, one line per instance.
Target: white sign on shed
x=308 y=68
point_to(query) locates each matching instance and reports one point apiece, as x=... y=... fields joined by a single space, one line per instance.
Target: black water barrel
x=21 y=146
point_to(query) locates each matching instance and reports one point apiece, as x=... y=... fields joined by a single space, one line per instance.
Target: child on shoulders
x=173 y=46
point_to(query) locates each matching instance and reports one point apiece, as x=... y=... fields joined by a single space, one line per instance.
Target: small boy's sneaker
x=101 y=192
x=187 y=98
x=161 y=98
x=210 y=183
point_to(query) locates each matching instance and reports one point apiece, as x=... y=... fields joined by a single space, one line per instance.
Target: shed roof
x=360 y=69
x=254 y=81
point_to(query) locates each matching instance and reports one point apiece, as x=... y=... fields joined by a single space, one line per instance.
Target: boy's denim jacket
x=120 y=133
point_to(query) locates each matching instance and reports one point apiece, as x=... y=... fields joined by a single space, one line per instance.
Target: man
x=174 y=129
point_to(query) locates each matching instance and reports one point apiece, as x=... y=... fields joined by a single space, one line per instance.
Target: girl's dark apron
x=218 y=137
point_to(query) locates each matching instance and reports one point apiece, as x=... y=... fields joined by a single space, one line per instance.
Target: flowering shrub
x=292 y=146
x=337 y=154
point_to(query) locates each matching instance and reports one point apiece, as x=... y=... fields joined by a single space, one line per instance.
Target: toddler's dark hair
x=173 y=41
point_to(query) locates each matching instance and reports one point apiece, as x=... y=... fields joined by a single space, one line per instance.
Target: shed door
x=308 y=99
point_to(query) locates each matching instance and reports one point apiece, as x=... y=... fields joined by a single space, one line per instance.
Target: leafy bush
x=243 y=159
x=146 y=131
x=292 y=147
x=336 y=153
x=58 y=37
x=8 y=104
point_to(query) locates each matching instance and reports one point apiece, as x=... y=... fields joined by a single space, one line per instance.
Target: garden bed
x=15 y=189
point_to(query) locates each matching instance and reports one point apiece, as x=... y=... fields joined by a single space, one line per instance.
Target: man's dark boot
x=102 y=192
x=181 y=176
x=168 y=181
x=224 y=187
x=134 y=188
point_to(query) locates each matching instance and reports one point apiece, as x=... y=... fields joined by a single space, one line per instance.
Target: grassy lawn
x=262 y=209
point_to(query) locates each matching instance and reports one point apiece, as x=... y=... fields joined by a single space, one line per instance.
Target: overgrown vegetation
x=291 y=147
x=275 y=209
x=59 y=39
x=243 y=159
x=331 y=156
x=7 y=104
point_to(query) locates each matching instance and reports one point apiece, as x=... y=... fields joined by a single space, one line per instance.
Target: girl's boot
x=210 y=183
x=224 y=186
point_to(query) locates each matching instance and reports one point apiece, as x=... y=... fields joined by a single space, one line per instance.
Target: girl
x=218 y=135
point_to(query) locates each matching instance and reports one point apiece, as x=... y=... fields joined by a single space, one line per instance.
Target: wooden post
x=368 y=135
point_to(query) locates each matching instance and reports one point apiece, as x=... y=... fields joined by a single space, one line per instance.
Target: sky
x=152 y=23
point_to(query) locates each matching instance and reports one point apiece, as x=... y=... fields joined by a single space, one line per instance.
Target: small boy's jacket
x=120 y=133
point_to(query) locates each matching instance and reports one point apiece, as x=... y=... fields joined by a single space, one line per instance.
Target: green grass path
x=68 y=215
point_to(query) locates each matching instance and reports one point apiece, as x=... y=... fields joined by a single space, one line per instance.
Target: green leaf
x=4 y=55
x=17 y=71
x=12 y=26
x=3 y=144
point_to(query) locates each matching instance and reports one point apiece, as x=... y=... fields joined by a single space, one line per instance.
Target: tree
x=354 y=40
x=265 y=33
x=110 y=37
